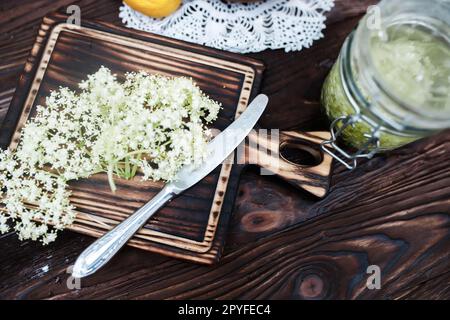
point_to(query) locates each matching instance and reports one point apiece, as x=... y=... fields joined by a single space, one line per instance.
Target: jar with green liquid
x=391 y=83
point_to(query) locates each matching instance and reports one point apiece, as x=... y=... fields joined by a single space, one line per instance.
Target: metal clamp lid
x=367 y=150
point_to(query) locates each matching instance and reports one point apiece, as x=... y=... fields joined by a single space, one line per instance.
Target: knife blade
x=104 y=248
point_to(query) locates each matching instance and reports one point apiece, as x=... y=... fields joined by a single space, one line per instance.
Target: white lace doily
x=253 y=27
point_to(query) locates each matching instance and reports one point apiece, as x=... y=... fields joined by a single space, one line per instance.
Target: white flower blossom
x=148 y=123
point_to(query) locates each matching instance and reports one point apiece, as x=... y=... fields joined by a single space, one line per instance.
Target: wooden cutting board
x=193 y=226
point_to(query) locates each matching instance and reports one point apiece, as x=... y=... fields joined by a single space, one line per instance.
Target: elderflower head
x=32 y=199
x=154 y=123
x=148 y=123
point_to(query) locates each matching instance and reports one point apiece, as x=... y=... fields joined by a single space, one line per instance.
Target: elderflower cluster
x=147 y=123
x=34 y=199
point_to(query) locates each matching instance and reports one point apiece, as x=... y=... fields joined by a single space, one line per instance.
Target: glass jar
x=391 y=83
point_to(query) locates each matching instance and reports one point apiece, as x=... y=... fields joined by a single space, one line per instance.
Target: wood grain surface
x=294 y=156
x=393 y=211
x=193 y=225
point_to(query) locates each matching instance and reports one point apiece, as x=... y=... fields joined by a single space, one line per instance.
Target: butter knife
x=104 y=248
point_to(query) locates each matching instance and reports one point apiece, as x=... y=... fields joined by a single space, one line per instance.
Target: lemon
x=154 y=8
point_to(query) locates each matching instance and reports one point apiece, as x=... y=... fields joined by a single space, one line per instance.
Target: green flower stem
x=135 y=167
x=122 y=167
x=54 y=175
x=110 y=172
x=127 y=167
x=137 y=152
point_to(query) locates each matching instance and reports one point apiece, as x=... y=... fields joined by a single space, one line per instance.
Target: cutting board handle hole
x=301 y=153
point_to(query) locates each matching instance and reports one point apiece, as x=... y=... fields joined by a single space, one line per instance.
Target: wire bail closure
x=367 y=150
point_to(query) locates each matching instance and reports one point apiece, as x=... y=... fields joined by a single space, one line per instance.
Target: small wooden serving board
x=192 y=226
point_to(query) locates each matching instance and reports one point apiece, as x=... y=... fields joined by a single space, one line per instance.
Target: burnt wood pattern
x=282 y=243
x=285 y=154
x=190 y=227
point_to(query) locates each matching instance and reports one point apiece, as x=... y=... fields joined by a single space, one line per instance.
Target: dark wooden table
x=393 y=211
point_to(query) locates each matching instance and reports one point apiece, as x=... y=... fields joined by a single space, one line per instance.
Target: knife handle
x=294 y=156
x=104 y=248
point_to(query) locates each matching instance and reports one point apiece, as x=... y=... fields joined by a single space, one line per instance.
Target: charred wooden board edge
x=209 y=250
x=315 y=178
x=266 y=151
x=197 y=246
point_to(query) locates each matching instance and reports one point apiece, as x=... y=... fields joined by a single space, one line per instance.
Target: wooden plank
x=193 y=224
x=393 y=210
x=190 y=226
